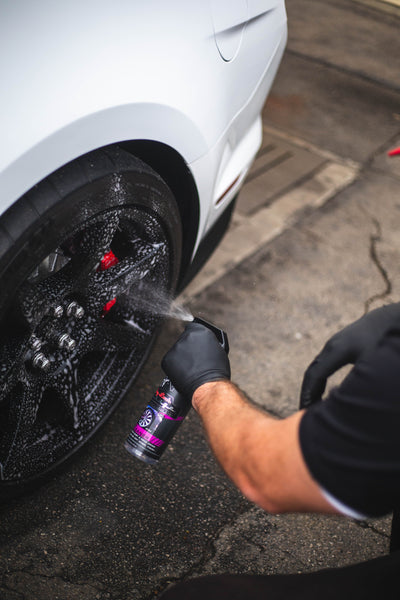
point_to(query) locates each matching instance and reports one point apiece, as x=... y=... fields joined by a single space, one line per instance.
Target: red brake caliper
x=108 y=260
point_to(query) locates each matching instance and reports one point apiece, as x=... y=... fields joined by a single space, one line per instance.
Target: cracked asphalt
x=110 y=527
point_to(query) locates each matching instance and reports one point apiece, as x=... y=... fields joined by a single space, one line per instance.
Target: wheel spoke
x=94 y=244
x=21 y=418
x=36 y=300
x=106 y=285
x=9 y=376
x=65 y=381
x=117 y=337
x=12 y=351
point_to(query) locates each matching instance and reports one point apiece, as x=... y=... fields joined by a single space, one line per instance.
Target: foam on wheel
x=83 y=250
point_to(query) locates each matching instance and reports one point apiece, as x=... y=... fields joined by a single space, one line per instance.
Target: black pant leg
x=371 y=580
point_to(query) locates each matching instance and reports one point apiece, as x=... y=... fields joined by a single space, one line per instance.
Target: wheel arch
x=165 y=161
x=163 y=137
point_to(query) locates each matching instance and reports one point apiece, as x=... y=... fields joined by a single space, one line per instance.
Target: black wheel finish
x=95 y=239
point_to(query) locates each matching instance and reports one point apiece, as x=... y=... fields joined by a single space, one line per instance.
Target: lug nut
x=58 y=312
x=40 y=361
x=35 y=343
x=65 y=341
x=75 y=310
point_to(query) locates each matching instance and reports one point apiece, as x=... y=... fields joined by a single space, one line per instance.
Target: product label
x=148 y=436
x=164 y=404
x=159 y=421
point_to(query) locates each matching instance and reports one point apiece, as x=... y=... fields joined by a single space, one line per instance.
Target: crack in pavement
x=371 y=527
x=375 y=238
x=11 y=579
x=208 y=554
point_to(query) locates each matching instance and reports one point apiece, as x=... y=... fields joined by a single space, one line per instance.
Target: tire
x=87 y=258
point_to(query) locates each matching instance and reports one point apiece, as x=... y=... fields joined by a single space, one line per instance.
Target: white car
x=127 y=129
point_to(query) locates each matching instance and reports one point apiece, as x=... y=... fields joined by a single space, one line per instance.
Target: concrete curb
x=247 y=235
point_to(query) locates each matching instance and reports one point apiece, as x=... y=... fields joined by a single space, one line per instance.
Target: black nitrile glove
x=345 y=347
x=196 y=358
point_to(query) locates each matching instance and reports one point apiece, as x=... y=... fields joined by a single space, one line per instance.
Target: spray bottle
x=164 y=413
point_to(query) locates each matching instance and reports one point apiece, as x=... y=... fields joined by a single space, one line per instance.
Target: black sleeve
x=351 y=440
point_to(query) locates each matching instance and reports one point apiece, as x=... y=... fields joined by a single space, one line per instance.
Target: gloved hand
x=345 y=347
x=196 y=358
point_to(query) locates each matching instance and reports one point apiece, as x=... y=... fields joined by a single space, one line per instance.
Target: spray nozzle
x=219 y=333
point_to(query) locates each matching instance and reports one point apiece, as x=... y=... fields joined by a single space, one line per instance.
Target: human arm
x=345 y=449
x=259 y=453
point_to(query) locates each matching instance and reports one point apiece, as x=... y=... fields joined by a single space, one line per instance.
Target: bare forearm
x=258 y=452
x=228 y=420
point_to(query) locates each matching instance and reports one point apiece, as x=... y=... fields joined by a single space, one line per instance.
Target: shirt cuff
x=342 y=508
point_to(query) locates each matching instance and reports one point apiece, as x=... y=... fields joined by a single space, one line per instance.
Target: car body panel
x=82 y=75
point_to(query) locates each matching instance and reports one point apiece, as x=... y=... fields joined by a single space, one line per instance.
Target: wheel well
x=170 y=165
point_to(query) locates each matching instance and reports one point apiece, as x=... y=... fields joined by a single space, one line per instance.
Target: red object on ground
x=108 y=260
x=394 y=152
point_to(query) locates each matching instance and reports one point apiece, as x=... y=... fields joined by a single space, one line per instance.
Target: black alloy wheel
x=93 y=246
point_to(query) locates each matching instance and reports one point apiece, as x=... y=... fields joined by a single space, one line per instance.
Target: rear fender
x=124 y=123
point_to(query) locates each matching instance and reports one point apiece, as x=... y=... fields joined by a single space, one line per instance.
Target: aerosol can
x=164 y=413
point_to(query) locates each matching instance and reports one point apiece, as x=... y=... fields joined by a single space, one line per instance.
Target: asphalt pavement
x=327 y=197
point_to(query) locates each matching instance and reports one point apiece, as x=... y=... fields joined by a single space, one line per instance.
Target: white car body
x=77 y=76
